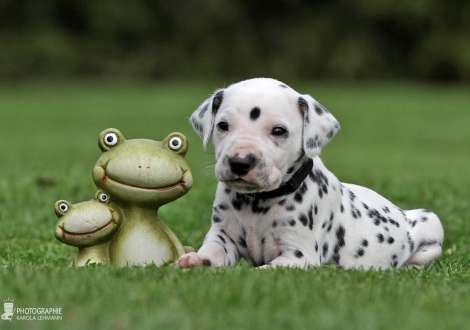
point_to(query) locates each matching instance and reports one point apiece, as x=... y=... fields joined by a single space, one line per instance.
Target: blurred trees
x=286 y=39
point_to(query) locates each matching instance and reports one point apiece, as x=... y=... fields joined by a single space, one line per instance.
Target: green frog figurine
x=89 y=226
x=141 y=175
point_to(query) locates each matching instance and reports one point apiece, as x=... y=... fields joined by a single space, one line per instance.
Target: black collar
x=290 y=186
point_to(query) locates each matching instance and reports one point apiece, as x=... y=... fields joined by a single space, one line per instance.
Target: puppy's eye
x=223 y=126
x=279 y=131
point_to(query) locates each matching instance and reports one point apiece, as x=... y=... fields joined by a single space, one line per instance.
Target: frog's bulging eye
x=175 y=143
x=103 y=197
x=111 y=139
x=63 y=207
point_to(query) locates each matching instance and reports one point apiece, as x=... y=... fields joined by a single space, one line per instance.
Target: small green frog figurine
x=89 y=226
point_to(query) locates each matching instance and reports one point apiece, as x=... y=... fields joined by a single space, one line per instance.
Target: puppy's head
x=262 y=132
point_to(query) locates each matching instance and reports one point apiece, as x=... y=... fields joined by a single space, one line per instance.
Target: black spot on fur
x=365 y=206
x=310 y=218
x=303 y=219
x=292 y=222
x=223 y=206
x=263 y=240
x=360 y=252
x=274 y=223
x=410 y=242
x=231 y=240
x=203 y=110
x=221 y=238
x=241 y=241
x=376 y=217
x=316 y=246
x=390 y=240
x=336 y=258
x=364 y=243
x=315 y=209
x=256 y=209
x=237 y=204
x=197 y=125
x=216 y=218
x=340 y=234
x=303 y=104
x=282 y=201
x=283 y=86
x=386 y=209
x=393 y=222
x=298 y=253
x=290 y=208
x=352 y=196
x=206 y=262
x=341 y=208
x=299 y=193
x=321 y=180
x=355 y=212
x=381 y=238
x=310 y=143
x=254 y=113
x=319 y=109
x=314 y=142
x=217 y=101
x=325 y=249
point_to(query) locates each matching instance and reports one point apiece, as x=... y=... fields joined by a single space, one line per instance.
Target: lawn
x=408 y=141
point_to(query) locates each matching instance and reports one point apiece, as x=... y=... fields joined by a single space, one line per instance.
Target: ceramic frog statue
x=89 y=226
x=140 y=176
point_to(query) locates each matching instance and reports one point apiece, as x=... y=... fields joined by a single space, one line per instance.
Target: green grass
x=409 y=142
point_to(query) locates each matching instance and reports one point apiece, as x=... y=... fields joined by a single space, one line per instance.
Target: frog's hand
x=188 y=249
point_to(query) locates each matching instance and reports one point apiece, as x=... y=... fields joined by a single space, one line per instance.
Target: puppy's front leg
x=292 y=259
x=218 y=250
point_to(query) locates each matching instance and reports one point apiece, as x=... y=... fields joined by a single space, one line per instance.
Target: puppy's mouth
x=242 y=186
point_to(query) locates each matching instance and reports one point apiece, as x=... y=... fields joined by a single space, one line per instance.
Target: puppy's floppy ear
x=319 y=125
x=202 y=119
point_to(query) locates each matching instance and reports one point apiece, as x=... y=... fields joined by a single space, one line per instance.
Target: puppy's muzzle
x=241 y=166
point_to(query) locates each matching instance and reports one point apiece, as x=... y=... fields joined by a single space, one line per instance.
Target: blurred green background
x=394 y=73
x=286 y=39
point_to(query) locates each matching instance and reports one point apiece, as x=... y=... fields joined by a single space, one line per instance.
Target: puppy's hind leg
x=426 y=235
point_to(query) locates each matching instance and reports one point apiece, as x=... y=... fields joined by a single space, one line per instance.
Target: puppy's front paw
x=188 y=260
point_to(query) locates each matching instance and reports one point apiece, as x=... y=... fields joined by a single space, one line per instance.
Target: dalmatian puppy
x=277 y=205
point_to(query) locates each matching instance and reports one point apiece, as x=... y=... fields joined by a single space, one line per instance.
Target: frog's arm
x=180 y=249
x=188 y=249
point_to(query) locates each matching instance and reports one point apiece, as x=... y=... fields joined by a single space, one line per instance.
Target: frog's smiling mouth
x=180 y=183
x=67 y=233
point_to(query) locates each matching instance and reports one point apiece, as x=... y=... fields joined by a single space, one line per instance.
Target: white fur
x=324 y=220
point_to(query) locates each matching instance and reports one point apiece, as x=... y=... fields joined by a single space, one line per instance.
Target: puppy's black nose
x=241 y=166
